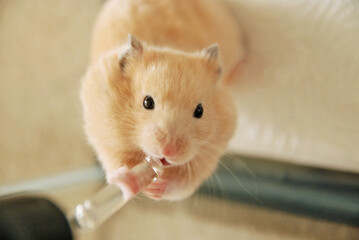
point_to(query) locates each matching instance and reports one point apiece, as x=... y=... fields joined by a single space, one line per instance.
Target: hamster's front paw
x=168 y=189
x=156 y=189
x=114 y=176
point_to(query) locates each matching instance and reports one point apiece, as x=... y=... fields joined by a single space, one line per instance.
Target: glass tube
x=95 y=210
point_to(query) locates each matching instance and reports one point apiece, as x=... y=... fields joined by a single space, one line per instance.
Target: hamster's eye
x=148 y=103
x=198 y=112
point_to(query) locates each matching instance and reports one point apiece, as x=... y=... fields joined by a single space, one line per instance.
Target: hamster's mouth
x=165 y=162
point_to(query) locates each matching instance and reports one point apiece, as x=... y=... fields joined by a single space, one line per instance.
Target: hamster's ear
x=211 y=54
x=134 y=51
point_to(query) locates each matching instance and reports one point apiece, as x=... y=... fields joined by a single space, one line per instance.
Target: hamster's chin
x=178 y=160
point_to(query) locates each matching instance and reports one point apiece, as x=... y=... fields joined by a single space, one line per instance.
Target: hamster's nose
x=169 y=150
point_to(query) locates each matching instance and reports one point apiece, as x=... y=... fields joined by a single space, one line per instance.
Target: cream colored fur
x=188 y=25
x=171 y=64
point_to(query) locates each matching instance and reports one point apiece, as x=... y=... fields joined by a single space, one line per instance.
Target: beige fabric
x=44 y=47
x=298 y=96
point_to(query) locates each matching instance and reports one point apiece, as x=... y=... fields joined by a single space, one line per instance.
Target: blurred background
x=292 y=169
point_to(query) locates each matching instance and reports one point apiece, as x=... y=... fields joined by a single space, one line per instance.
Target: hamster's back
x=188 y=25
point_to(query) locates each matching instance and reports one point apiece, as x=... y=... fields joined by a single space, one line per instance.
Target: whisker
x=244 y=165
x=222 y=193
x=237 y=180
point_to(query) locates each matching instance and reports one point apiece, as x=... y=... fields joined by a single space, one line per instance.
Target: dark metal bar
x=313 y=192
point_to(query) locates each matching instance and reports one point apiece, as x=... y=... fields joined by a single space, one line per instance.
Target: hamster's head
x=159 y=102
x=173 y=99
